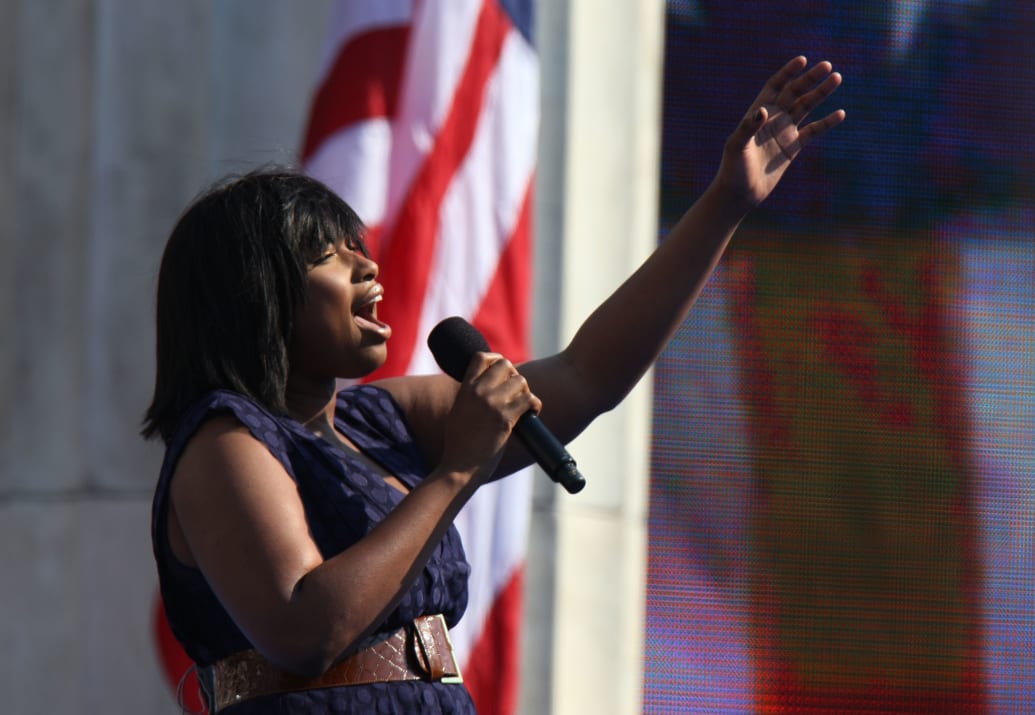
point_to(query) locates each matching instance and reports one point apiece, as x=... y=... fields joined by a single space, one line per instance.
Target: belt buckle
x=459 y=677
x=440 y=667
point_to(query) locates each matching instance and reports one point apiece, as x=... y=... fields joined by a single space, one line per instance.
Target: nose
x=365 y=267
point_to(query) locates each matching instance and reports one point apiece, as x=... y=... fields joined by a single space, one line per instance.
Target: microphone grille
x=453 y=342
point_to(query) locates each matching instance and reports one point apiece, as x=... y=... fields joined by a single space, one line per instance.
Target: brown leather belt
x=419 y=651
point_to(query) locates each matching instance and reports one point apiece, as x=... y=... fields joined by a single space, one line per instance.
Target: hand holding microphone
x=453 y=343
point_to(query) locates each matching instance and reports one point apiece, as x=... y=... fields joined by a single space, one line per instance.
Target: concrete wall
x=113 y=115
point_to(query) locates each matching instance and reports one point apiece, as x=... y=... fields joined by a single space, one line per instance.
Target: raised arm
x=621 y=339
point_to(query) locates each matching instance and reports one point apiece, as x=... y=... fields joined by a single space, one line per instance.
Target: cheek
x=317 y=333
x=326 y=314
x=325 y=341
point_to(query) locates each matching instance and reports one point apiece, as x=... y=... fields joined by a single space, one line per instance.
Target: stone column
x=596 y=220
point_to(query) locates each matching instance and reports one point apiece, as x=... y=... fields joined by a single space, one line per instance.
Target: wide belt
x=419 y=651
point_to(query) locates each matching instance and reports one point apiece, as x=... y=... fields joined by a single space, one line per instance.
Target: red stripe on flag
x=504 y=313
x=412 y=237
x=176 y=664
x=497 y=652
x=372 y=240
x=362 y=83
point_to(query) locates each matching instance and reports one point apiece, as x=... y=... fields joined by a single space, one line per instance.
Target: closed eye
x=353 y=245
x=324 y=258
x=356 y=246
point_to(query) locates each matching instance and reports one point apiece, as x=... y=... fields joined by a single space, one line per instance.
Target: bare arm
x=621 y=339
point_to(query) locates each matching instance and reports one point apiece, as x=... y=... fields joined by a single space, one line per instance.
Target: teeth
x=367 y=307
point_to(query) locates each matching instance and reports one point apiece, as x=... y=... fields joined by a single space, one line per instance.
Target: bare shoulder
x=242 y=520
x=227 y=477
x=426 y=401
x=422 y=394
x=221 y=449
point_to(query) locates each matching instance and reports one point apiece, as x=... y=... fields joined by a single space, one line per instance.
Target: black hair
x=232 y=275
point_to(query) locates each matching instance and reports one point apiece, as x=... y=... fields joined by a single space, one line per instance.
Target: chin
x=371 y=359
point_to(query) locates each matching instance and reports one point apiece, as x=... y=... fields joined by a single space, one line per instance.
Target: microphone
x=454 y=342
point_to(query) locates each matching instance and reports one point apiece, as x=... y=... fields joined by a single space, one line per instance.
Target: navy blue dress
x=343 y=500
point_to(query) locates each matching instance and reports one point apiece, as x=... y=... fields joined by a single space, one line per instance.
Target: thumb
x=748 y=127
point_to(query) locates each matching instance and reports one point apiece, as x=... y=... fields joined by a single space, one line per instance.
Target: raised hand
x=772 y=132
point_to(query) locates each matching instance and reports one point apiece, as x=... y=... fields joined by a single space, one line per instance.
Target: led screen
x=842 y=504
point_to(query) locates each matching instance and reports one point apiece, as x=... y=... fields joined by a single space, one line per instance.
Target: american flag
x=425 y=119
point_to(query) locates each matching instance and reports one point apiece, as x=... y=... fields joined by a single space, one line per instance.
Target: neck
x=312 y=403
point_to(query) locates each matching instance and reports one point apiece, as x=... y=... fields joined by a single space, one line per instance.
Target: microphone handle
x=549 y=453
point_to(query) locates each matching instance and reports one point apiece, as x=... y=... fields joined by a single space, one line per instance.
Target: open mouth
x=366 y=313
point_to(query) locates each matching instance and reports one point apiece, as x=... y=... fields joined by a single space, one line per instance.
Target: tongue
x=368 y=322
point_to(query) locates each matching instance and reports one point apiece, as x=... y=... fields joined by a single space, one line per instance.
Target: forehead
x=322 y=219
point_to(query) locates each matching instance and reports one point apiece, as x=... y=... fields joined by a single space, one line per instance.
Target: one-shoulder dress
x=343 y=500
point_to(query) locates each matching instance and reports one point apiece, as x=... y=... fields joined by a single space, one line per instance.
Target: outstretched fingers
x=774 y=129
x=792 y=91
x=779 y=81
x=812 y=130
x=809 y=90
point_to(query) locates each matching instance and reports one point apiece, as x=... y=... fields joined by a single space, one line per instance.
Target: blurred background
x=841 y=502
x=819 y=502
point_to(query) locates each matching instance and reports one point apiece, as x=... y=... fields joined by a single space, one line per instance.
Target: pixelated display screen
x=842 y=506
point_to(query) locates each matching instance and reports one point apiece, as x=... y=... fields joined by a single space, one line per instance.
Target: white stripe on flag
x=363 y=178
